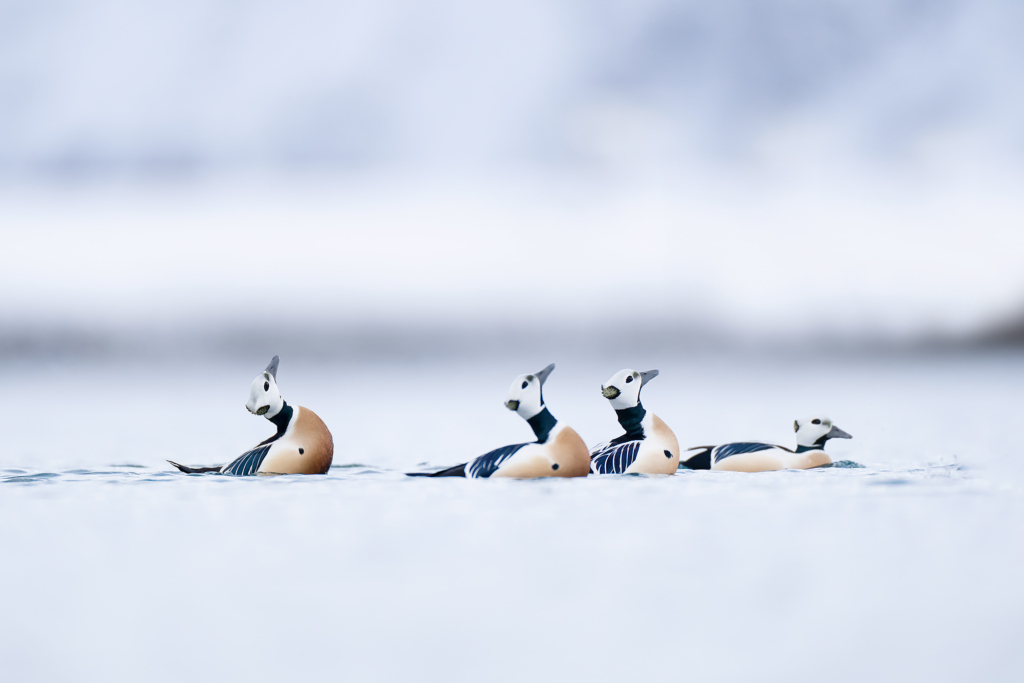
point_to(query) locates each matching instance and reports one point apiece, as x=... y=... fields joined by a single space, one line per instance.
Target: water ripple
x=933 y=476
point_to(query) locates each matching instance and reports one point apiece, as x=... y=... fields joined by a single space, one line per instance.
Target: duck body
x=562 y=454
x=302 y=445
x=648 y=446
x=753 y=456
x=762 y=457
x=652 y=448
x=558 y=451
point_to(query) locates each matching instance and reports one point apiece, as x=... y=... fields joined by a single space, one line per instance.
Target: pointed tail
x=457 y=471
x=696 y=458
x=195 y=470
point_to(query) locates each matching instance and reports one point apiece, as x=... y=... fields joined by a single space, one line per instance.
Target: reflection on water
x=136 y=474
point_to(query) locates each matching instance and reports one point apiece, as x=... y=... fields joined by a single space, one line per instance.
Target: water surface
x=118 y=568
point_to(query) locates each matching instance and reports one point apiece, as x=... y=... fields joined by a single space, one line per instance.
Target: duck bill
x=543 y=374
x=837 y=433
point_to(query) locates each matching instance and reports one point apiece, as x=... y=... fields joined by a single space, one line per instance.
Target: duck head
x=525 y=395
x=264 y=397
x=623 y=389
x=813 y=432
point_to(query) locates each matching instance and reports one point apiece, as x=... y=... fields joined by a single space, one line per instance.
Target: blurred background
x=395 y=178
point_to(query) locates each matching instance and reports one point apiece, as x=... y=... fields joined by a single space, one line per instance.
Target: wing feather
x=614 y=458
x=247 y=463
x=488 y=463
x=730 y=449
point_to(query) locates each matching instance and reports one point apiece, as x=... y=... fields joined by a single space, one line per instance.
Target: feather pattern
x=730 y=449
x=488 y=463
x=247 y=463
x=614 y=458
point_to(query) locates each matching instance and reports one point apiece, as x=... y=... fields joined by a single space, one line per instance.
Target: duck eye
x=266 y=386
x=525 y=384
x=815 y=421
x=629 y=379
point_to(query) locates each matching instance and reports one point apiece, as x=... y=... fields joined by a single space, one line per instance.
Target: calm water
x=117 y=568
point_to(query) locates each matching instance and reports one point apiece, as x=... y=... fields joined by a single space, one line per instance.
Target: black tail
x=697 y=461
x=195 y=470
x=457 y=471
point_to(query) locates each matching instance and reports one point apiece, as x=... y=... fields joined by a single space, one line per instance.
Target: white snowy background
x=765 y=169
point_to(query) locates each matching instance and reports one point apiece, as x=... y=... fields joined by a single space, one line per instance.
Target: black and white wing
x=488 y=463
x=730 y=449
x=248 y=462
x=614 y=458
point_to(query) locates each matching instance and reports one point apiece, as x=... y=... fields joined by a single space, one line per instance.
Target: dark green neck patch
x=281 y=421
x=819 y=445
x=542 y=423
x=630 y=419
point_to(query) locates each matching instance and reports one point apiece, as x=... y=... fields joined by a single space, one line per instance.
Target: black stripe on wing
x=615 y=458
x=730 y=449
x=488 y=463
x=248 y=463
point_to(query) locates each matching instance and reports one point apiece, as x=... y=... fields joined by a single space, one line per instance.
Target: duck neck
x=818 y=445
x=631 y=420
x=542 y=424
x=281 y=420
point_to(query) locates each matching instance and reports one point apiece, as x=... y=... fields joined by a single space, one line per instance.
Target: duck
x=558 y=451
x=649 y=446
x=302 y=444
x=748 y=456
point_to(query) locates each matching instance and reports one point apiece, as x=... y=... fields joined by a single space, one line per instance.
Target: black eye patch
x=629 y=379
x=266 y=386
x=815 y=421
x=525 y=384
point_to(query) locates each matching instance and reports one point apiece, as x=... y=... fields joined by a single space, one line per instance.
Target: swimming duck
x=302 y=444
x=558 y=451
x=648 y=446
x=811 y=435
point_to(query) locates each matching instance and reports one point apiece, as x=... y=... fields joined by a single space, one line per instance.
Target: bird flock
x=303 y=444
